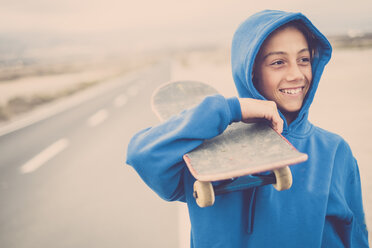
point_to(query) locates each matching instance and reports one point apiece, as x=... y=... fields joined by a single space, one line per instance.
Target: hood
x=246 y=43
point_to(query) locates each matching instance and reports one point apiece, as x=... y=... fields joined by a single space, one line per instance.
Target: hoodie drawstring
x=250 y=195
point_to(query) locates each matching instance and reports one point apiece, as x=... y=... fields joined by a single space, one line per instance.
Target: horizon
x=64 y=28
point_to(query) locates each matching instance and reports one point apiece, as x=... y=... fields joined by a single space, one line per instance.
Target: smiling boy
x=277 y=61
x=284 y=70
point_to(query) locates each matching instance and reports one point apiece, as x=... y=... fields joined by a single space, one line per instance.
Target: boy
x=277 y=61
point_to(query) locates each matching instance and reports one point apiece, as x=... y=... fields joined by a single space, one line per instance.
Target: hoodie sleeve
x=345 y=221
x=156 y=153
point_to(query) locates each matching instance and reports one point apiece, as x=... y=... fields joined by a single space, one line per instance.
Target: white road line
x=48 y=153
x=61 y=105
x=120 y=100
x=99 y=117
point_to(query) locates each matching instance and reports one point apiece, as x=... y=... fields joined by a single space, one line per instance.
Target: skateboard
x=242 y=157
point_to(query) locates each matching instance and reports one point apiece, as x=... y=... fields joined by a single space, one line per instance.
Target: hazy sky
x=142 y=24
x=86 y=16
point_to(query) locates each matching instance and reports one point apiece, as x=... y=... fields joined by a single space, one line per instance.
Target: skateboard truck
x=204 y=192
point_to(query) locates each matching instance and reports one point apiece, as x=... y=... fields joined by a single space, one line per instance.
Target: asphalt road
x=64 y=181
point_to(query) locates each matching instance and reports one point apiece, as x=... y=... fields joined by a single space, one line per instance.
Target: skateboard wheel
x=283 y=178
x=203 y=194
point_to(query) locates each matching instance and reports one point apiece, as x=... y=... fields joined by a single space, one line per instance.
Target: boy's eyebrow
x=283 y=53
x=304 y=50
x=273 y=53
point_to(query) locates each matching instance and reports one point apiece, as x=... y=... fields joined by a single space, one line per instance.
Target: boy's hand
x=254 y=110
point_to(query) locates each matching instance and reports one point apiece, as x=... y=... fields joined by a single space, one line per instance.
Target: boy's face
x=284 y=70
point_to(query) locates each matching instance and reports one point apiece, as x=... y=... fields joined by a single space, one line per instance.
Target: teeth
x=291 y=91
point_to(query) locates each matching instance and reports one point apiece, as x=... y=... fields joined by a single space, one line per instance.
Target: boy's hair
x=300 y=26
x=309 y=36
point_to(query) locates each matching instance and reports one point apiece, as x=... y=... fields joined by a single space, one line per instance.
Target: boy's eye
x=305 y=60
x=277 y=62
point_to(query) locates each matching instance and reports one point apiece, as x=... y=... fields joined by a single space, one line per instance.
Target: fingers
x=274 y=117
x=253 y=110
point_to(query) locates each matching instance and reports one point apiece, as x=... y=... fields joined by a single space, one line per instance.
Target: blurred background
x=76 y=79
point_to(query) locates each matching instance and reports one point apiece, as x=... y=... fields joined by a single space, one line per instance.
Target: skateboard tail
x=153 y=108
x=238 y=173
x=173 y=97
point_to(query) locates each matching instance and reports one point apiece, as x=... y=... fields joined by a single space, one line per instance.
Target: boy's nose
x=294 y=73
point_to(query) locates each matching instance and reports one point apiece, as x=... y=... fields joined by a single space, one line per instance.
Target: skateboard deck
x=242 y=149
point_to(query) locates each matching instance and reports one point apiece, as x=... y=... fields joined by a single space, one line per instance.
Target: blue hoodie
x=323 y=208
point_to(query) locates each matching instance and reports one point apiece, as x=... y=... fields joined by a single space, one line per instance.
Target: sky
x=106 y=15
x=170 y=20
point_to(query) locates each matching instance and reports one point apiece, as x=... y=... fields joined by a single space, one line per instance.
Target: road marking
x=47 y=154
x=99 y=117
x=58 y=106
x=120 y=100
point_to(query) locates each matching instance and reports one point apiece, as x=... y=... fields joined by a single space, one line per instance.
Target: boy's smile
x=284 y=70
x=292 y=91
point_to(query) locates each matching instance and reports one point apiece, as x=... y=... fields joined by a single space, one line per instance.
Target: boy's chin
x=293 y=111
x=291 y=108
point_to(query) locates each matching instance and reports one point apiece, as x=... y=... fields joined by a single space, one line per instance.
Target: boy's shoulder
x=330 y=137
